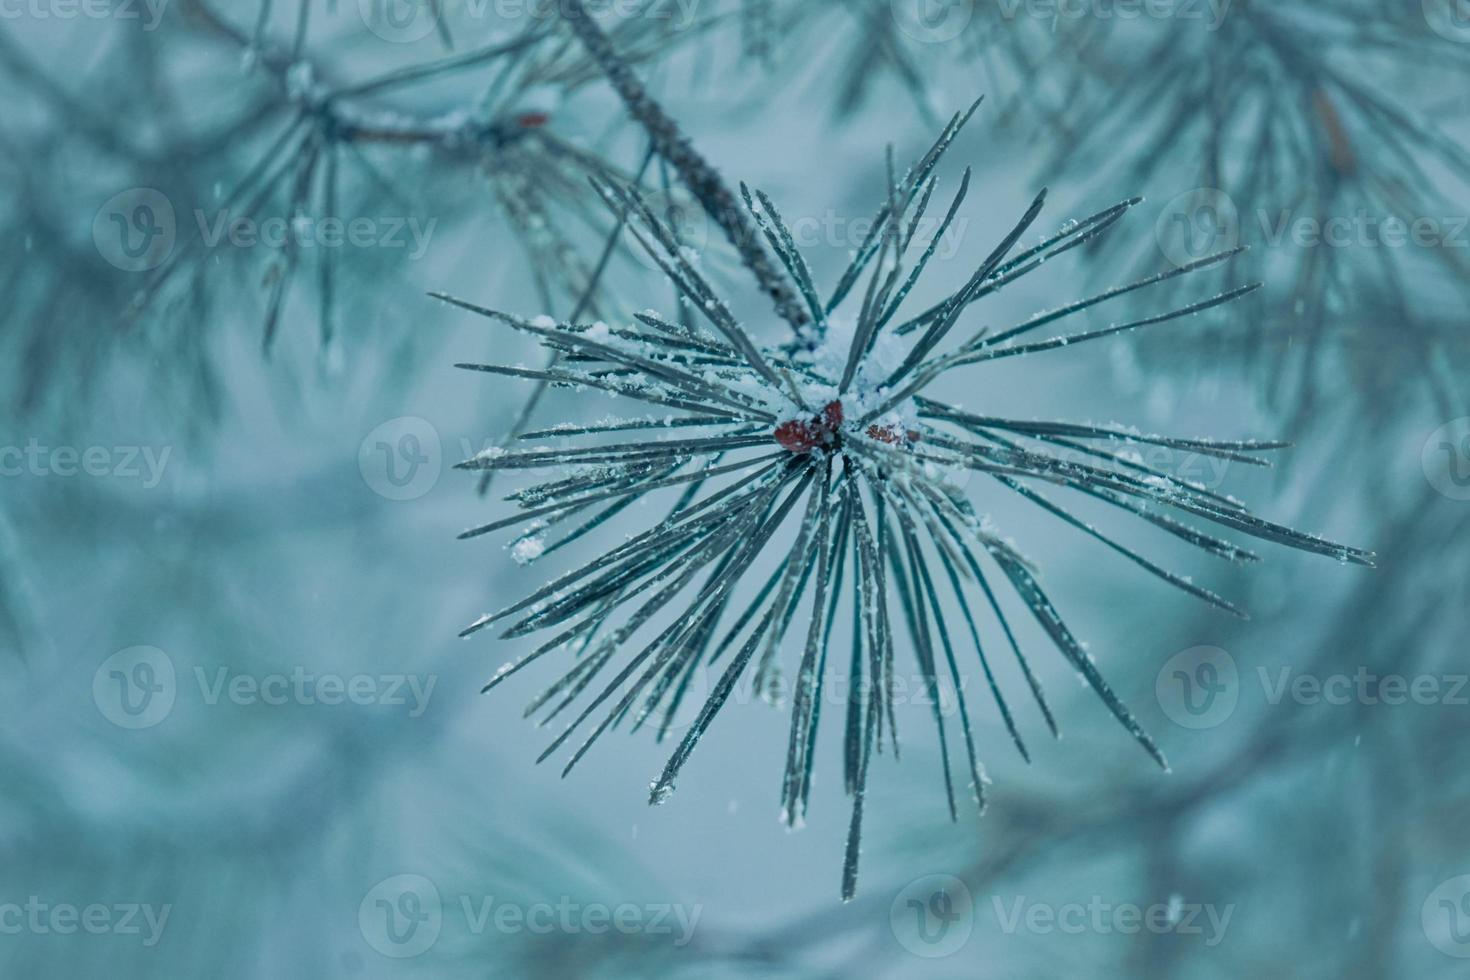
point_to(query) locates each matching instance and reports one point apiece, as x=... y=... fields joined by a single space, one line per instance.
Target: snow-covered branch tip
x=827 y=476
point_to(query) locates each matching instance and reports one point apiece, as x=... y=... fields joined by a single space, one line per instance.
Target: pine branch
x=862 y=471
x=702 y=179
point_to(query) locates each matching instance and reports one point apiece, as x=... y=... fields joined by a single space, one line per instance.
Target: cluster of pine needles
x=834 y=429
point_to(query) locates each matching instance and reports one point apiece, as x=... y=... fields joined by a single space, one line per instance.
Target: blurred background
x=240 y=736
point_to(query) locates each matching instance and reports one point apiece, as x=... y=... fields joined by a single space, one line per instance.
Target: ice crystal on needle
x=828 y=455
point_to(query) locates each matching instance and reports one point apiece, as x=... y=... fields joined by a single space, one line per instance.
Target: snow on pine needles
x=828 y=455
